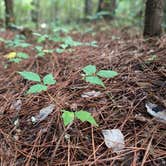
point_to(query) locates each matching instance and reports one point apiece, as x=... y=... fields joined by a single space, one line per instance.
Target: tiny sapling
x=69 y=116
x=42 y=52
x=92 y=76
x=40 y=85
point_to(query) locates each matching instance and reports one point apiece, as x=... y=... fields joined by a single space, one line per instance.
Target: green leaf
x=85 y=116
x=15 y=60
x=42 y=38
x=59 y=50
x=68 y=117
x=64 y=46
x=30 y=76
x=22 y=55
x=93 y=44
x=41 y=54
x=49 y=79
x=39 y=48
x=89 y=70
x=94 y=80
x=23 y=45
x=107 y=73
x=37 y=88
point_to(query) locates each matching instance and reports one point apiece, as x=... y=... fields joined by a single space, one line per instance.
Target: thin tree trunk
x=35 y=12
x=108 y=6
x=9 y=14
x=153 y=17
x=88 y=7
x=100 y=5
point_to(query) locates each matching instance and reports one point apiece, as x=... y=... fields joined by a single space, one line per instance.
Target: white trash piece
x=44 y=112
x=91 y=94
x=114 y=139
x=156 y=111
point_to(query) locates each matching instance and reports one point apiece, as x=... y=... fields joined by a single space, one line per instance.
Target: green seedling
x=84 y=116
x=92 y=76
x=19 y=56
x=41 y=38
x=99 y=15
x=18 y=41
x=42 y=52
x=58 y=30
x=41 y=85
x=16 y=57
x=68 y=42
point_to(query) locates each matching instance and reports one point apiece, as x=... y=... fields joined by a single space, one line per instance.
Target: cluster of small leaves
x=69 y=116
x=41 y=85
x=92 y=76
x=16 y=57
x=18 y=41
x=41 y=38
x=68 y=42
x=42 y=52
x=99 y=15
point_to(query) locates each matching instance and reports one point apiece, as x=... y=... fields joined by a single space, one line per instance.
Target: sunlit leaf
x=49 y=79
x=22 y=55
x=107 y=73
x=85 y=116
x=94 y=80
x=36 y=88
x=89 y=70
x=59 y=50
x=11 y=55
x=15 y=60
x=68 y=117
x=30 y=76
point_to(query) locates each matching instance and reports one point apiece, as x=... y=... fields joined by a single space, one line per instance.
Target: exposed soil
x=121 y=105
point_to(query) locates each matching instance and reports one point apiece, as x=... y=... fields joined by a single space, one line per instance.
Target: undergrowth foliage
x=41 y=85
x=16 y=57
x=92 y=76
x=83 y=116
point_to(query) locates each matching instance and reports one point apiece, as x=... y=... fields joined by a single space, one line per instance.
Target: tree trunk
x=164 y=15
x=35 y=12
x=88 y=7
x=100 y=5
x=153 y=17
x=108 y=6
x=9 y=14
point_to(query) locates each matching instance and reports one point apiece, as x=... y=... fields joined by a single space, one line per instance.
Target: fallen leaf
x=10 y=55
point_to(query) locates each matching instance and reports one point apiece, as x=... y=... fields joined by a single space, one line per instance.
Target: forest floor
x=141 y=64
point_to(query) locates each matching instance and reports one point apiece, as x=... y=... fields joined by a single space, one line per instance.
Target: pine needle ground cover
x=141 y=68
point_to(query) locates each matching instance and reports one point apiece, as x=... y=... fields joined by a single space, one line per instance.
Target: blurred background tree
x=88 y=7
x=153 y=17
x=37 y=13
x=9 y=14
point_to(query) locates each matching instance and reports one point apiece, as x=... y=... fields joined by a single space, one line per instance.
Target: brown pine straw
x=121 y=105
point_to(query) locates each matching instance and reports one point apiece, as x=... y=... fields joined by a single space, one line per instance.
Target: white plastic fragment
x=16 y=122
x=43 y=114
x=91 y=94
x=156 y=111
x=16 y=105
x=114 y=139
